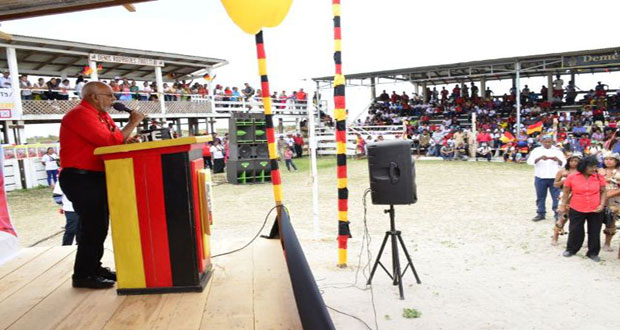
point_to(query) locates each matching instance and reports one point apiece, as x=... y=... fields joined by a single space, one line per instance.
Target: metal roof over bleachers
x=576 y=62
x=51 y=57
x=17 y=9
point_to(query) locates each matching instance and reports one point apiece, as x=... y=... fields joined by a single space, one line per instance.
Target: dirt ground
x=482 y=262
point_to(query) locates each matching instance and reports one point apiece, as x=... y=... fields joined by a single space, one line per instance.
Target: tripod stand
x=396 y=274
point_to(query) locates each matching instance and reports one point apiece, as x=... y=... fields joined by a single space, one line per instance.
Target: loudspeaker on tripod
x=392 y=173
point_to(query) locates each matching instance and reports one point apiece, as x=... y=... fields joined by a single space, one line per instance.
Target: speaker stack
x=248 y=161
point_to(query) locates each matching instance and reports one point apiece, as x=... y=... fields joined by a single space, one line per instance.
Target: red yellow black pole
x=276 y=180
x=340 y=114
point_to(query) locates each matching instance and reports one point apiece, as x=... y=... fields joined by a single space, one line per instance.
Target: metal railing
x=193 y=104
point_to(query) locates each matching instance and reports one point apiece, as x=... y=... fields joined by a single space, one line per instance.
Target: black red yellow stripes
x=340 y=114
x=160 y=242
x=276 y=179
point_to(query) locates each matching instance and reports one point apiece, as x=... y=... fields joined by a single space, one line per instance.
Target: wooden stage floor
x=249 y=289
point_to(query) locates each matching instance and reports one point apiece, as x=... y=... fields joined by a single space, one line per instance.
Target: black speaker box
x=248 y=171
x=392 y=173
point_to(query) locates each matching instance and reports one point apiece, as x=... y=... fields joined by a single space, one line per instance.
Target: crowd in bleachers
x=126 y=90
x=441 y=124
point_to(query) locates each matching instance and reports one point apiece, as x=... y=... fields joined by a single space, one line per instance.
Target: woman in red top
x=585 y=193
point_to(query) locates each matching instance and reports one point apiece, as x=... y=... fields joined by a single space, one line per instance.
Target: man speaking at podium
x=83 y=129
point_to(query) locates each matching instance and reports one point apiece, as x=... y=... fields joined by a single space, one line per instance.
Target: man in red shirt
x=299 y=143
x=84 y=128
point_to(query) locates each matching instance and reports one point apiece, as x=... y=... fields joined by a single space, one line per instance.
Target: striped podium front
x=159 y=201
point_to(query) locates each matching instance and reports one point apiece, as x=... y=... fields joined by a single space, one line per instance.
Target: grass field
x=482 y=262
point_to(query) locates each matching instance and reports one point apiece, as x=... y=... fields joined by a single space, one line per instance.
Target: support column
x=518 y=97
x=17 y=93
x=549 y=87
x=373 y=89
x=483 y=87
x=178 y=123
x=416 y=88
x=572 y=77
x=212 y=122
x=159 y=80
x=424 y=93
x=94 y=76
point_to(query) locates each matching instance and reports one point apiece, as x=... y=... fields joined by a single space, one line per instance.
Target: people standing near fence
x=547 y=161
x=584 y=198
x=50 y=161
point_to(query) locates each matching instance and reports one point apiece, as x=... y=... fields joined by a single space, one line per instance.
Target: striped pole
x=340 y=114
x=276 y=179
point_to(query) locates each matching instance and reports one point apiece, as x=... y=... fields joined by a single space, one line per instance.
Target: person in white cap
x=547 y=161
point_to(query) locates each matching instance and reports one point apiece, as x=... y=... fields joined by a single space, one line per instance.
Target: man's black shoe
x=92 y=282
x=108 y=274
x=568 y=254
x=538 y=217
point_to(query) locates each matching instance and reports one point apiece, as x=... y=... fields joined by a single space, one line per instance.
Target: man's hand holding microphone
x=135 y=118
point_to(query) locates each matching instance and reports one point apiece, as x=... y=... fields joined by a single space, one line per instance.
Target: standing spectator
x=299 y=144
x=547 y=160
x=134 y=89
x=64 y=88
x=5 y=80
x=146 y=91
x=50 y=161
x=288 y=159
x=52 y=86
x=206 y=155
x=79 y=84
x=38 y=88
x=611 y=162
x=360 y=146
x=248 y=91
x=282 y=145
x=72 y=218
x=558 y=88
x=217 y=154
x=570 y=168
x=584 y=192
x=26 y=87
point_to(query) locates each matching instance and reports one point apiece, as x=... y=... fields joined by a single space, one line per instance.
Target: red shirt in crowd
x=298 y=140
x=206 y=150
x=83 y=129
x=586 y=196
x=484 y=137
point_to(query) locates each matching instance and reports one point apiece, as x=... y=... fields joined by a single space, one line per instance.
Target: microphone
x=121 y=107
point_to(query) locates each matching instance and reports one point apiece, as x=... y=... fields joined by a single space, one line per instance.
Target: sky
x=377 y=35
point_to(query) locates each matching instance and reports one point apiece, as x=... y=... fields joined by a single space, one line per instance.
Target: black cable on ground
x=47 y=238
x=255 y=236
x=353 y=316
x=366 y=239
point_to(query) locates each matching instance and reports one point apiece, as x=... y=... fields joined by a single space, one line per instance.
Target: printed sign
x=125 y=60
x=6 y=103
x=592 y=60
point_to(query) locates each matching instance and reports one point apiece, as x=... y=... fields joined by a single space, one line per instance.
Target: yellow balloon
x=253 y=15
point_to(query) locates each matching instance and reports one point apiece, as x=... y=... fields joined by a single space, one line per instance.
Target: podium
x=160 y=214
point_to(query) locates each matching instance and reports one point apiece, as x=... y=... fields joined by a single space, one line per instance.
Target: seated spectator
x=484 y=151
x=447 y=151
